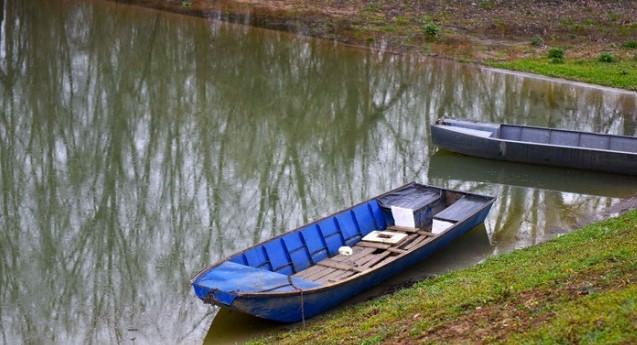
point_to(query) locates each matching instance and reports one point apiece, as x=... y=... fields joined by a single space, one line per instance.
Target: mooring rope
x=210 y=296
x=302 y=303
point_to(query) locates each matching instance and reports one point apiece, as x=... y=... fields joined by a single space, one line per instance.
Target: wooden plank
x=338 y=265
x=362 y=260
x=310 y=271
x=320 y=269
x=415 y=242
x=386 y=260
x=410 y=230
x=321 y=273
x=336 y=277
x=402 y=228
x=340 y=278
x=418 y=242
x=325 y=279
x=408 y=245
x=408 y=240
x=375 y=259
x=397 y=250
x=306 y=272
x=373 y=245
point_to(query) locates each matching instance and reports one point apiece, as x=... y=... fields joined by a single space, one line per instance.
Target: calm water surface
x=137 y=146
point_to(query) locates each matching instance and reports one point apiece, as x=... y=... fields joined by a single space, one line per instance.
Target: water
x=138 y=146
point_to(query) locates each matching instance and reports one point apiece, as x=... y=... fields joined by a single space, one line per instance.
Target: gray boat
x=538 y=145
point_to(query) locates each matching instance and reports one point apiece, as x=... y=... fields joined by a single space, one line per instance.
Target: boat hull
x=291 y=308
x=617 y=162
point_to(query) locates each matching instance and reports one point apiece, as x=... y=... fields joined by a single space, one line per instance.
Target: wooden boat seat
x=366 y=255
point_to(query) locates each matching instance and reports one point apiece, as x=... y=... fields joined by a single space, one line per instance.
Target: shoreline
x=577 y=288
x=403 y=31
x=561 y=290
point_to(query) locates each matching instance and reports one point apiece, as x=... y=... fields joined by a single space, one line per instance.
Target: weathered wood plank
x=307 y=271
x=415 y=242
x=336 y=277
x=364 y=259
x=373 y=245
x=386 y=260
x=397 y=250
x=375 y=259
x=406 y=241
x=310 y=271
x=320 y=274
x=338 y=265
x=402 y=228
x=418 y=242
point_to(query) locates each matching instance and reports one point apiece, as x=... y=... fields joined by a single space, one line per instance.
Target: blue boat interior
x=308 y=257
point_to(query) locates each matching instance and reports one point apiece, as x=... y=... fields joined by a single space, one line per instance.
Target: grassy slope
x=622 y=74
x=579 y=288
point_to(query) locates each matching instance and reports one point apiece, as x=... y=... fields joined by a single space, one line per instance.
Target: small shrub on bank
x=431 y=29
x=537 y=41
x=630 y=45
x=606 y=57
x=556 y=53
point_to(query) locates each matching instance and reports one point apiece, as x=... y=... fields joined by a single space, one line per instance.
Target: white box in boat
x=389 y=237
x=439 y=225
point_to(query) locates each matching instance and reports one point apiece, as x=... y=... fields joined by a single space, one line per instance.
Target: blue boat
x=317 y=266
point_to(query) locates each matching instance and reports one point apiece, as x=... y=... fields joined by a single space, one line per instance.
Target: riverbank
x=514 y=35
x=578 y=288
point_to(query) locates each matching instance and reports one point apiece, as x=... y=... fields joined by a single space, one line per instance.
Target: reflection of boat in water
x=448 y=165
x=302 y=273
x=538 y=145
x=232 y=327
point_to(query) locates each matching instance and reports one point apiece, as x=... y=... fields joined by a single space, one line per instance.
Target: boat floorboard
x=365 y=256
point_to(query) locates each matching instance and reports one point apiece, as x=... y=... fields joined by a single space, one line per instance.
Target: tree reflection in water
x=138 y=146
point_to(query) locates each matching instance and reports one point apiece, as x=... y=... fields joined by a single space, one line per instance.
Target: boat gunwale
x=489 y=200
x=494 y=138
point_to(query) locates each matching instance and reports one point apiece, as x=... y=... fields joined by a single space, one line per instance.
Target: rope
x=210 y=296
x=302 y=304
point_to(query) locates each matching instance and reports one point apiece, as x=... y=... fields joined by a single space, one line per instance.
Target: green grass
x=621 y=74
x=579 y=288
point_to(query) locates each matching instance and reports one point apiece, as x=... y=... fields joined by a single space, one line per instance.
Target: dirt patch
x=515 y=314
x=469 y=30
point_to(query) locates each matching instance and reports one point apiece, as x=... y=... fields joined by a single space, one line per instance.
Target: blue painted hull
x=294 y=307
